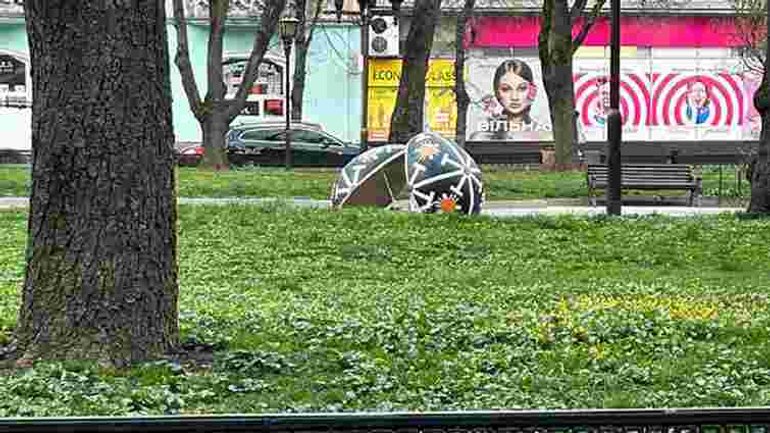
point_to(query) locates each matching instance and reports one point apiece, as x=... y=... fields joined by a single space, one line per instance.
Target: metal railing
x=738 y=420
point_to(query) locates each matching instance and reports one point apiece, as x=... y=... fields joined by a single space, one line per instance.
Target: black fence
x=739 y=420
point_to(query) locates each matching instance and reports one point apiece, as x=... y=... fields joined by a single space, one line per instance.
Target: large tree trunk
x=556 y=60
x=560 y=91
x=461 y=94
x=760 y=169
x=556 y=48
x=214 y=128
x=407 y=120
x=215 y=123
x=101 y=275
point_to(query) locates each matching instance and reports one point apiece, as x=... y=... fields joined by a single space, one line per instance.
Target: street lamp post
x=614 y=121
x=287 y=28
x=364 y=8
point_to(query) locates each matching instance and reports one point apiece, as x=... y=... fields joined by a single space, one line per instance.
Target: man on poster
x=698 y=102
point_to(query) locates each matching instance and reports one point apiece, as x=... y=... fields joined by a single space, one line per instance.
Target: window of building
x=14 y=91
x=266 y=97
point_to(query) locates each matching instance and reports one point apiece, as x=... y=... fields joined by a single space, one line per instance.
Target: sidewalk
x=601 y=210
x=502 y=208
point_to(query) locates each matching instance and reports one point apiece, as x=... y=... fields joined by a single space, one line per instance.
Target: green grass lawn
x=312 y=310
x=501 y=183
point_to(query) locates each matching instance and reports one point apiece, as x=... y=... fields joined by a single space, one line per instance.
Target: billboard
x=507 y=100
x=661 y=99
x=440 y=110
x=698 y=101
x=592 y=98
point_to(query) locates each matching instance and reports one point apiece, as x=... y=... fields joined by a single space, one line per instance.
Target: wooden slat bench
x=649 y=177
x=504 y=152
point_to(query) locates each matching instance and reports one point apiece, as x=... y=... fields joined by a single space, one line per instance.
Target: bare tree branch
x=268 y=23
x=577 y=9
x=182 y=60
x=217 y=15
x=461 y=94
x=546 y=23
x=587 y=24
x=314 y=21
x=751 y=31
x=307 y=25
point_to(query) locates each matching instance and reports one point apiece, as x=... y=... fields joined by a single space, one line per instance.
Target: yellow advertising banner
x=441 y=111
x=382 y=101
x=440 y=108
x=387 y=73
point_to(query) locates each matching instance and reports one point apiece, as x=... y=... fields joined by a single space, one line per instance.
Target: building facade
x=332 y=92
x=683 y=78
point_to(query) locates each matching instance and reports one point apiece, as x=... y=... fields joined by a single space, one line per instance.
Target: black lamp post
x=287 y=28
x=364 y=8
x=614 y=121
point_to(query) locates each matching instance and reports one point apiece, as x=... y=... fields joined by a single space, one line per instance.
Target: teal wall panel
x=332 y=92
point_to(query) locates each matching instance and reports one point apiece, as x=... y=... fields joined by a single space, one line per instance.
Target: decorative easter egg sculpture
x=441 y=176
x=374 y=177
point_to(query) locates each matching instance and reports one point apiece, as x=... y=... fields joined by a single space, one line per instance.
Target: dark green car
x=265 y=144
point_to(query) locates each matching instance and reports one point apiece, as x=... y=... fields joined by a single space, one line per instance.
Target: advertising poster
x=507 y=101
x=440 y=109
x=592 y=98
x=382 y=101
x=661 y=99
x=698 y=101
x=752 y=121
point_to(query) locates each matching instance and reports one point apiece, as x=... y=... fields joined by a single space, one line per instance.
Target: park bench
x=648 y=177
x=504 y=153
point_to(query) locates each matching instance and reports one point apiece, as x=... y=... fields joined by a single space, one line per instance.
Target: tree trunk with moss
x=556 y=48
x=760 y=170
x=408 y=114
x=101 y=274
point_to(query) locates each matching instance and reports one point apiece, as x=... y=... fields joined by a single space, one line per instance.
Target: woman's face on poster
x=513 y=93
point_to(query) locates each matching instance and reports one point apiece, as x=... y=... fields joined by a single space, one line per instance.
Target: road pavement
x=493 y=208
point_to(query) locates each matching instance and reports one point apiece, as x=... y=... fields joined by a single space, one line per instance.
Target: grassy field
x=311 y=310
x=501 y=184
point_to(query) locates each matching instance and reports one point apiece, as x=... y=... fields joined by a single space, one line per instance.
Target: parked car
x=264 y=144
x=189 y=154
